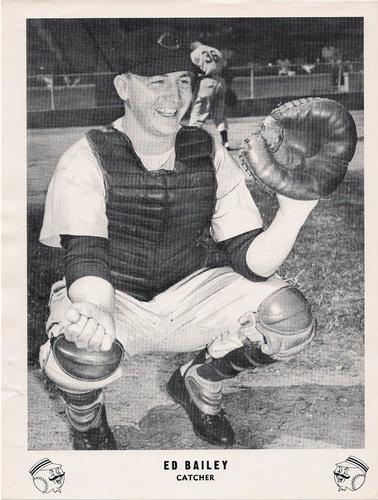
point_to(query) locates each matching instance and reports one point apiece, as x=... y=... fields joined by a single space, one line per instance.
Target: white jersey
x=75 y=202
x=208 y=59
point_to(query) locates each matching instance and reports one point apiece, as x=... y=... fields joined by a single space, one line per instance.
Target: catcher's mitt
x=302 y=148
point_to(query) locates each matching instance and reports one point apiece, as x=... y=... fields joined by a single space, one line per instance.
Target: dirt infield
x=298 y=404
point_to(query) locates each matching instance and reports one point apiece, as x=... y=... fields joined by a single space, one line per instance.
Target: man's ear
x=122 y=86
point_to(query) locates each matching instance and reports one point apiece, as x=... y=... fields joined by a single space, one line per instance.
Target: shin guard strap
x=234 y=362
x=80 y=399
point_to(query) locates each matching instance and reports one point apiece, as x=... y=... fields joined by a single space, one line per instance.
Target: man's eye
x=157 y=82
x=186 y=81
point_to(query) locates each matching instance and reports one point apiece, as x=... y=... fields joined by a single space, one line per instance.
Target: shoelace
x=210 y=418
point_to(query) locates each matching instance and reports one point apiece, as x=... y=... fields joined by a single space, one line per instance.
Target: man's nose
x=173 y=91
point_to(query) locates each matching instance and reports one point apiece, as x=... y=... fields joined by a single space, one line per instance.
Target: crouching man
x=128 y=204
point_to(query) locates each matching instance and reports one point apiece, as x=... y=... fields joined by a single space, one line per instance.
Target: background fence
x=46 y=92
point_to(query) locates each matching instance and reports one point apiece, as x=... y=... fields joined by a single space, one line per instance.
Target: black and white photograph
x=192 y=299
x=195 y=233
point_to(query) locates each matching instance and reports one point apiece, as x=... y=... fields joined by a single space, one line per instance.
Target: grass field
x=293 y=405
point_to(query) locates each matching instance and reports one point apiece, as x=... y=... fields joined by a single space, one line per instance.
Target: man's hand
x=91 y=327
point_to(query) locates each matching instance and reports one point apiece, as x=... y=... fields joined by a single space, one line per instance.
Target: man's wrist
x=93 y=290
x=294 y=215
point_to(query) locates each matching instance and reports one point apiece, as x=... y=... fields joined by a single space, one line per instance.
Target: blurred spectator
x=71 y=81
x=303 y=66
x=328 y=54
x=308 y=68
x=48 y=80
x=337 y=70
x=333 y=61
x=283 y=66
x=44 y=79
x=228 y=54
x=348 y=66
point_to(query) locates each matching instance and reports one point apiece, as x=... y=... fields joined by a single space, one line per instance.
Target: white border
x=262 y=474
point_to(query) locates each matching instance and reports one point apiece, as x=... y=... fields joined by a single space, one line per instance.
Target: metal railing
x=89 y=90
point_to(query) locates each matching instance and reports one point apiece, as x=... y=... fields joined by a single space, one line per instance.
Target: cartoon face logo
x=350 y=474
x=47 y=476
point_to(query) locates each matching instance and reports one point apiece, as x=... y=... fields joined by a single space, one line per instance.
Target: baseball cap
x=352 y=461
x=44 y=464
x=156 y=54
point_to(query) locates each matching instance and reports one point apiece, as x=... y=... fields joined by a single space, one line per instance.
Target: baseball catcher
x=129 y=203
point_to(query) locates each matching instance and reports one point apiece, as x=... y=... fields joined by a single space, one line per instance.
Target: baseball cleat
x=213 y=428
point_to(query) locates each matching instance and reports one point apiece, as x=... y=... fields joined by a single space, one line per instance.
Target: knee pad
x=74 y=369
x=286 y=322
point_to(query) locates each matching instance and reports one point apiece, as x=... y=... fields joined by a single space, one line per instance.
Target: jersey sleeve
x=75 y=201
x=235 y=210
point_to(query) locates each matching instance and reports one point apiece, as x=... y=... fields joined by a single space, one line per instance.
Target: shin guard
x=83 y=410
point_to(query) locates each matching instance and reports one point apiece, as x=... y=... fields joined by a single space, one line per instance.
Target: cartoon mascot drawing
x=350 y=474
x=47 y=476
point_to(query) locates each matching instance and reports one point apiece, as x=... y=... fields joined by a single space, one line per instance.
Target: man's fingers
x=73 y=330
x=93 y=311
x=106 y=343
x=95 y=342
x=86 y=334
x=85 y=331
x=72 y=315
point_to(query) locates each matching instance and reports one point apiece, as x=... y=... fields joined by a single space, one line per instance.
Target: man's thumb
x=72 y=315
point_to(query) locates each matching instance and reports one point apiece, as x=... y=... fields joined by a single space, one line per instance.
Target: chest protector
x=155 y=219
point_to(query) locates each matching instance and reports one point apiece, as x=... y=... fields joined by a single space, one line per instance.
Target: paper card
x=304 y=428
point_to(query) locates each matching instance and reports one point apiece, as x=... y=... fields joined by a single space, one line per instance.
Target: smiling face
x=155 y=105
x=56 y=476
x=341 y=476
